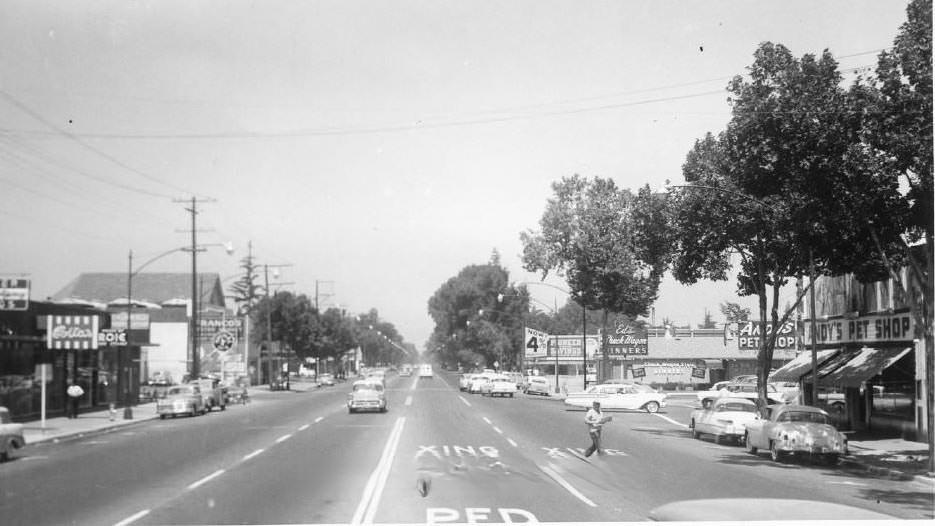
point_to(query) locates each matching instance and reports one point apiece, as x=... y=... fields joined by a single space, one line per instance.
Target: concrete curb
x=73 y=435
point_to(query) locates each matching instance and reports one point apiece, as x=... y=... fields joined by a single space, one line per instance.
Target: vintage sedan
x=501 y=385
x=537 y=385
x=11 y=435
x=725 y=417
x=478 y=382
x=366 y=395
x=619 y=396
x=796 y=430
x=464 y=381
x=183 y=399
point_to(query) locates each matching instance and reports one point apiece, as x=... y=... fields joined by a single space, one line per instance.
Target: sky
x=374 y=147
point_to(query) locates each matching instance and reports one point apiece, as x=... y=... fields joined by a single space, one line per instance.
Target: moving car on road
x=537 y=385
x=619 y=396
x=725 y=417
x=464 y=381
x=11 y=435
x=405 y=370
x=366 y=395
x=425 y=371
x=326 y=379
x=185 y=399
x=796 y=430
x=214 y=394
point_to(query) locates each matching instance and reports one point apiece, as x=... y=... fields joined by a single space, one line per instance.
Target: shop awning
x=835 y=361
x=800 y=366
x=863 y=366
x=714 y=364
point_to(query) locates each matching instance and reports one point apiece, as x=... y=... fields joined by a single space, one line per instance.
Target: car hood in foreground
x=757 y=509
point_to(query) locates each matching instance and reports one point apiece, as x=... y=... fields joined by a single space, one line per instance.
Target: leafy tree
x=708 y=322
x=374 y=336
x=610 y=244
x=896 y=110
x=247 y=290
x=479 y=317
x=293 y=321
x=785 y=175
x=734 y=313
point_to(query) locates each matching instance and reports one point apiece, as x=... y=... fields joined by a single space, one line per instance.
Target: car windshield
x=181 y=390
x=368 y=387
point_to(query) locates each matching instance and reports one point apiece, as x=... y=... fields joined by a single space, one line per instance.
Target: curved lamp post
x=228 y=247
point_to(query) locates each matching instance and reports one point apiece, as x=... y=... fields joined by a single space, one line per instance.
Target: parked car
x=748 y=390
x=478 y=381
x=214 y=394
x=713 y=392
x=464 y=381
x=725 y=417
x=327 y=379
x=185 y=399
x=11 y=435
x=619 y=396
x=796 y=430
x=500 y=385
x=537 y=385
x=367 y=395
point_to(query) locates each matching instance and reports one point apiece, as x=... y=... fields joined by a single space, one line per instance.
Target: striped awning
x=864 y=365
x=800 y=366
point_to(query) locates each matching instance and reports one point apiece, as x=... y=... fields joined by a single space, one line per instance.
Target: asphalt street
x=438 y=455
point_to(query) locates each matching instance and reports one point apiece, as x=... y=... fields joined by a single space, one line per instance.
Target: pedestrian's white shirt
x=593 y=418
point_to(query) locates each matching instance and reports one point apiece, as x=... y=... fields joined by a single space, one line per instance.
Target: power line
x=74 y=138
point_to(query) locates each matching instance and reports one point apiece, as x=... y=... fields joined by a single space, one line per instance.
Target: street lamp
x=125 y=382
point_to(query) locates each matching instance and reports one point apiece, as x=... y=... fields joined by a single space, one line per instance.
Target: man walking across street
x=595 y=420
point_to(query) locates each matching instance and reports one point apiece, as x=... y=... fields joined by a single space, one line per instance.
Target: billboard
x=72 y=332
x=628 y=340
x=14 y=294
x=749 y=333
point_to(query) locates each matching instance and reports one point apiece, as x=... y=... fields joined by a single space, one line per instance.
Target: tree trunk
x=761 y=402
x=927 y=289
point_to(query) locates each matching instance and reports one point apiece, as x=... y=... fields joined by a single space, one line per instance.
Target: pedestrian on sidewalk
x=595 y=420
x=75 y=392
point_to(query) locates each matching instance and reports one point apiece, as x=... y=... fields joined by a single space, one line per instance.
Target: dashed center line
x=283 y=438
x=133 y=518
x=408 y=400
x=304 y=427
x=319 y=419
x=255 y=453
x=512 y=443
x=216 y=474
x=497 y=429
x=488 y=420
x=465 y=401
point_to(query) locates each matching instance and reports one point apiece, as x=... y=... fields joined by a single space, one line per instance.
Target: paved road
x=437 y=455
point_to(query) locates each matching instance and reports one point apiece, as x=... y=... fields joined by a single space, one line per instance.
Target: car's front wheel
x=651 y=407
x=775 y=453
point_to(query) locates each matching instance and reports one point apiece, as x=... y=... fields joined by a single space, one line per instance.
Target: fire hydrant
x=113 y=411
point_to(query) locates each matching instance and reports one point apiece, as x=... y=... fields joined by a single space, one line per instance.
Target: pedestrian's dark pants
x=595 y=443
x=73 y=408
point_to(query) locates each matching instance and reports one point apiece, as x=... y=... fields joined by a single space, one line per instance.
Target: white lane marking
x=497 y=429
x=414 y=384
x=408 y=400
x=512 y=443
x=133 y=518
x=670 y=420
x=564 y=483
x=283 y=438
x=465 y=401
x=374 y=489
x=255 y=453
x=488 y=420
x=304 y=427
x=217 y=473
x=319 y=419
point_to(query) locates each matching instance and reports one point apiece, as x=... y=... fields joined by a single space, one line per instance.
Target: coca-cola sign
x=72 y=332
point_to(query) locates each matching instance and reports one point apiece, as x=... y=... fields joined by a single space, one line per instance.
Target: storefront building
x=870 y=356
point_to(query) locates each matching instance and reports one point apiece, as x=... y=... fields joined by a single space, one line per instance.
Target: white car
x=464 y=381
x=725 y=417
x=747 y=390
x=500 y=385
x=478 y=381
x=537 y=385
x=619 y=396
x=713 y=392
x=425 y=371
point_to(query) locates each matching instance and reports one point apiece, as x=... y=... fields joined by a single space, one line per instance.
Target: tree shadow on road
x=917 y=500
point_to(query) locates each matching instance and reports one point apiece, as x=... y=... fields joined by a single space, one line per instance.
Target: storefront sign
x=535 y=343
x=569 y=346
x=638 y=372
x=72 y=332
x=138 y=320
x=698 y=372
x=627 y=340
x=14 y=294
x=112 y=337
x=749 y=337
x=865 y=329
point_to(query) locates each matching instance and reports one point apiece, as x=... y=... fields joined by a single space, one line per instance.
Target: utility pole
x=269 y=319
x=246 y=330
x=195 y=370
